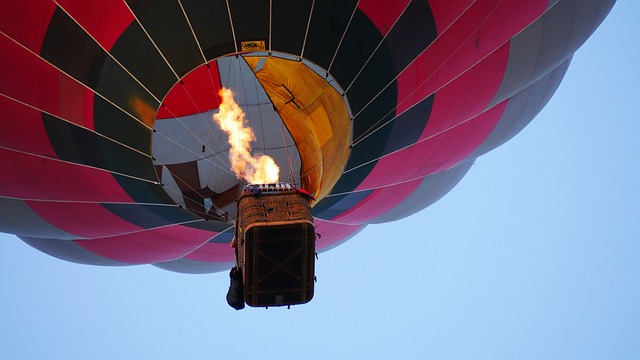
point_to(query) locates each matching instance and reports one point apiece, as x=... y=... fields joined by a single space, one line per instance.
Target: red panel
x=26 y=21
x=21 y=129
x=483 y=28
x=212 y=252
x=378 y=203
x=84 y=220
x=150 y=246
x=197 y=93
x=332 y=234
x=383 y=13
x=25 y=176
x=105 y=20
x=467 y=95
x=31 y=80
x=434 y=154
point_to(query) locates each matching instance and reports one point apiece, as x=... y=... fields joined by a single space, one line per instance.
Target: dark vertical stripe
x=138 y=55
x=411 y=34
x=169 y=29
x=210 y=22
x=328 y=23
x=68 y=47
x=414 y=31
x=78 y=145
x=143 y=192
x=373 y=94
x=250 y=20
x=289 y=25
x=408 y=126
x=116 y=125
x=359 y=42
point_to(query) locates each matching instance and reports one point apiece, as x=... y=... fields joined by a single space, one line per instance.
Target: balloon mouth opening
x=299 y=118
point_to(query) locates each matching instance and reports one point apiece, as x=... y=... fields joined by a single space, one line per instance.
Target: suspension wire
x=90 y=202
x=35 y=108
x=204 y=58
x=397 y=183
x=182 y=83
x=355 y=142
x=106 y=51
x=270 y=22
x=90 y=130
x=369 y=131
x=45 y=157
x=344 y=34
x=376 y=49
x=76 y=80
x=135 y=79
x=233 y=29
x=259 y=104
x=373 y=128
x=135 y=16
x=194 y=200
x=208 y=124
x=286 y=147
x=306 y=33
x=259 y=107
x=186 y=183
x=169 y=110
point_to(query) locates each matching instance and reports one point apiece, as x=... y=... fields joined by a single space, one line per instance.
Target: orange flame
x=258 y=169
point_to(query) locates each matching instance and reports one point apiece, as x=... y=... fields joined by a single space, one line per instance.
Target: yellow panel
x=314 y=113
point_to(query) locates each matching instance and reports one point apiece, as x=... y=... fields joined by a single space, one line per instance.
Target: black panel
x=115 y=124
x=142 y=191
x=412 y=34
x=78 y=145
x=328 y=23
x=330 y=207
x=372 y=146
x=67 y=46
x=373 y=94
x=379 y=111
x=350 y=180
x=407 y=128
x=359 y=42
x=122 y=90
x=140 y=6
x=225 y=237
x=152 y=216
x=409 y=37
x=169 y=29
x=137 y=54
x=401 y=132
x=210 y=22
x=250 y=20
x=289 y=25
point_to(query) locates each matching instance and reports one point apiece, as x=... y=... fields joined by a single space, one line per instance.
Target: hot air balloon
x=376 y=108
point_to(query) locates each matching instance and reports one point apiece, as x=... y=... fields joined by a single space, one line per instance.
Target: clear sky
x=534 y=255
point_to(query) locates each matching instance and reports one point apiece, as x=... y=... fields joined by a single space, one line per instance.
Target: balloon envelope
x=111 y=157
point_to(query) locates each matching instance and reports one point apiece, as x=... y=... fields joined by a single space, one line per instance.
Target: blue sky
x=534 y=255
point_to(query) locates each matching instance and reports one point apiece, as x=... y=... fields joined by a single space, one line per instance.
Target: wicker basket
x=276 y=248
